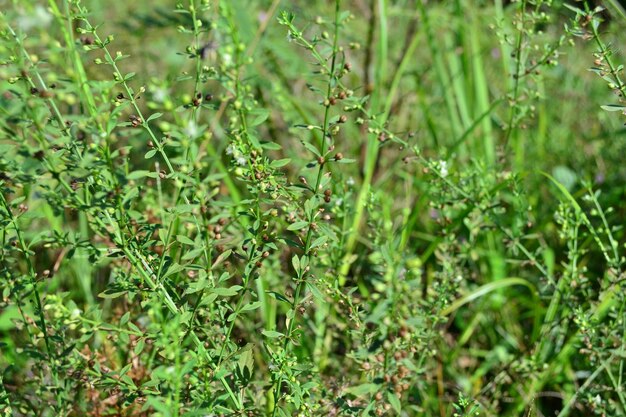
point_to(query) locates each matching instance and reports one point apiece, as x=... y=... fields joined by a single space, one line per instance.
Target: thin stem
x=287 y=345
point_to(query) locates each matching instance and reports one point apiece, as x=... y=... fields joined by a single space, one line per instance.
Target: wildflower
x=443 y=168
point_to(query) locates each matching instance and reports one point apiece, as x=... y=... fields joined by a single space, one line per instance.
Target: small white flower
x=241 y=160
x=350 y=182
x=230 y=149
x=443 y=168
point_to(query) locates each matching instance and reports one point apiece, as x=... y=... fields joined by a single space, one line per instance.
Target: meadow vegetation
x=312 y=208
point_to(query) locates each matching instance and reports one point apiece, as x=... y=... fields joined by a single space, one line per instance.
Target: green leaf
x=125 y=318
x=139 y=346
x=227 y=292
x=295 y=261
x=261 y=116
x=363 y=389
x=185 y=240
x=272 y=334
x=222 y=256
x=278 y=296
x=251 y=306
x=254 y=141
x=298 y=225
x=150 y=153
x=271 y=146
x=135 y=175
x=315 y=291
x=395 y=402
x=194 y=253
x=613 y=107
x=174 y=268
x=311 y=148
x=319 y=241
x=112 y=293
x=280 y=162
x=154 y=116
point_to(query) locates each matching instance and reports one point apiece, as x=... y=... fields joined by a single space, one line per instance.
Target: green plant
x=342 y=208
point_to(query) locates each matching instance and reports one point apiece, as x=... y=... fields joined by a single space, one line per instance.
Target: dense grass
x=312 y=208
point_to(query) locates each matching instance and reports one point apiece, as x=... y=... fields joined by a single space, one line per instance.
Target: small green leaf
x=261 y=116
x=271 y=146
x=613 y=107
x=395 y=402
x=251 y=306
x=112 y=293
x=315 y=291
x=311 y=148
x=280 y=163
x=222 y=256
x=139 y=346
x=272 y=334
x=125 y=318
x=135 y=175
x=154 y=116
x=227 y=292
x=319 y=241
x=363 y=389
x=298 y=225
x=174 y=268
x=185 y=240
